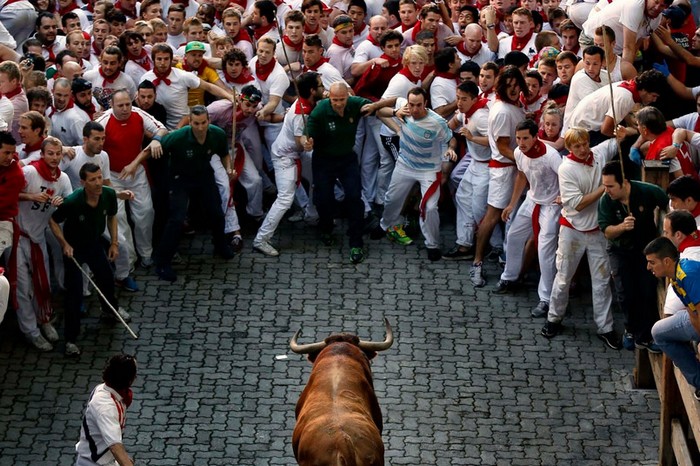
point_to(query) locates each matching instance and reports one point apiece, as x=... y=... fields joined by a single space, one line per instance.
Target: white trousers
x=19 y=19
x=252 y=182
x=27 y=306
x=4 y=296
x=520 y=231
x=470 y=200
x=387 y=161
x=222 y=182
x=286 y=180
x=402 y=181
x=142 y=214
x=458 y=172
x=572 y=245
x=250 y=139
x=371 y=149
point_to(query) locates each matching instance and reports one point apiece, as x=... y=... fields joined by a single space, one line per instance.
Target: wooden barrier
x=679 y=426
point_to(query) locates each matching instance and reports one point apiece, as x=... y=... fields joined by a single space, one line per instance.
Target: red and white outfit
x=503 y=118
x=341 y=57
x=682 y=161
x=480 y=57
x=9 y=198
x=326 y=35
x=579 y=234
x=293 y=52
x=443 y=89
x=67 y=124
x=272 y=81
x=103 y=87
x=136 y=67
x=367 y=50
x=592 y=109
x=287 y=162
x=409 y=36
x=171 y=92
x=537 y=216
x=581 y=86
x=31 y=257
x=473 y=189
x=20 y=106
x=525 y=45
x=123 y=144
x=49 y=51
x=329 y=74
x=103 y=425
x=29 y=154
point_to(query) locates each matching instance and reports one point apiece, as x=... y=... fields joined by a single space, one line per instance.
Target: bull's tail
x=346 y=456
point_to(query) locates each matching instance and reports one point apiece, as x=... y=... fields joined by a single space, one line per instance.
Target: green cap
x=196 y=46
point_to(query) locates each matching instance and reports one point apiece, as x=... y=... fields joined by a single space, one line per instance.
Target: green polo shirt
x=644 y=199
x=187 y=157
x=83 y=223
x=335 y=135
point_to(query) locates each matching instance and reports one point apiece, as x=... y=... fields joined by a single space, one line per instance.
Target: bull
x=339 y=422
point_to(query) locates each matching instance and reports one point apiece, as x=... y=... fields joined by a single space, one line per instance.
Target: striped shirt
x=423 y=142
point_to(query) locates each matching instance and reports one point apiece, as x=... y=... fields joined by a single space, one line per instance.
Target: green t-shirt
x=335 y=135
x=83 y=223
x=644 y=199
x=187 y=157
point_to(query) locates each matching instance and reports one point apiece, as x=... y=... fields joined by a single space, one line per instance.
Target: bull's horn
x=377 y=345
x=305 y=349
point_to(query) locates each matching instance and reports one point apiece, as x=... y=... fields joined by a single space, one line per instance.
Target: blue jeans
x=673 y=335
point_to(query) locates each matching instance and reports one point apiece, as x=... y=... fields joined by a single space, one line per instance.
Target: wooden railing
x=679 y=427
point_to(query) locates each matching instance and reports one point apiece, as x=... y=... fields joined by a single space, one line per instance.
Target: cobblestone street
x=469 y=380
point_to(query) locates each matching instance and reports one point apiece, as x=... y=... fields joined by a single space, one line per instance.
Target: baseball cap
x=675 y=15
x=80 y=85
x=195 y=46
x=251 y=93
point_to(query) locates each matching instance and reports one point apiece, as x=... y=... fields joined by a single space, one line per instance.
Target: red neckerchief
x=462 y=47
x=307 y=30
x=318 y=63
x=295 y=47
x=89 y=109
x=409 y=75
x=696 y=210
x=262 y=72
x=127 y=394
x=485 y=95
x=70 y=105
x=243 y=78
x=373 y=41
x=161 y=78
x=587 y=161
x=73 y=6
x=45 y=171
x=447 y=75
x=536 y=151
x=143 y=60
x=13 y=93
x=303 y=107
x=199 y=70
x=357 y=33
x=427 y=70
x=416 y=29
x=108 y=80
x=242 y=35
x=34 y=147
x=262 y=30
x=130 y=13
x=525 y=101
x=49 y=50
x=478 y=105
x=405 y=28
x=520 y=43
x=692 y=240
x=397 y=61
x=631 y=86
x=337 y=42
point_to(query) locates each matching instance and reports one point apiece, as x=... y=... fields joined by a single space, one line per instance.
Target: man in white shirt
x=51 y=43
x=108 y=77
x=472 y=48
x=175 y=22
x=523 y=38
x=357 y=10
x=443 y=88
x=341 y=53
x=430 y=16
x=586 y=81
x=368 y=51
x=32 y=126
x=580 y=188
x=67 y=120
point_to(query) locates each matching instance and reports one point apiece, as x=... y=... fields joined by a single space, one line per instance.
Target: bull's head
x=369 y=347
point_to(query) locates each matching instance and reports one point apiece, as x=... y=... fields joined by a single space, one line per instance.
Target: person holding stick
x=85 y=213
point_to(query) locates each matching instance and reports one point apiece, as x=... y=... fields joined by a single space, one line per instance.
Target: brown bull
x=339 y=422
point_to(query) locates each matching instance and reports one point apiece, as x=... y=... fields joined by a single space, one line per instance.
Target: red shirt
x=123 y=140
x=11 y=184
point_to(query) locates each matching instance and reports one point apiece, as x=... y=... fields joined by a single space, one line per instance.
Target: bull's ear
x=312 y=357
x=370 y=354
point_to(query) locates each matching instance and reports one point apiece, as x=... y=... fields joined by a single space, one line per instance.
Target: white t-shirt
x=481 y=57
x=276 y=84
x=341 y=58
x=285 y=145
x=105 y=417
x=478 y=125
x=443 y=91
x=174 y=96
x=33 y=216
x=505 y=46
x=366 y=51
x=541 y=173
x=503 y=118
x=330 y=75
x=628 y=13
x=357 y=39
x=581 y=86
x=72 y=167
x=103 y=90
x=592 y=109
x=7 y=114
x=68 y=125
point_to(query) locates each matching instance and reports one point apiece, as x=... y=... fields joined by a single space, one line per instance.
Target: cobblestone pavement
x=469 y=379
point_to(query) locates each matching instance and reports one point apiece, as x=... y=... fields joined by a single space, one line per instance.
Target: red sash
x=432 y=189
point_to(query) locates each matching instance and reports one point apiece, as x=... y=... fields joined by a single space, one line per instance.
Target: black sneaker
x=434 y=254
x=504 y=286
x=494 y=254
x=541 y=310
x=377 y=233
x=648 y=345
x=166 y=273
x=551 y=329
x=459 y=252
x=612 y=339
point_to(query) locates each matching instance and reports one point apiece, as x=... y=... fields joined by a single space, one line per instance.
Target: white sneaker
x=297 y=217
x=40 y=343
x=266 y=248
x=72 y=350
x=476 y=276
x=124 y=315
x=49 y=332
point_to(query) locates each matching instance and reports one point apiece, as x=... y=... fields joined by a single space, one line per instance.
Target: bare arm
x=680 y=89
x=629 y=47
x=58 y=233
x=120 y=454
x=520 y=183
x=590 y=198
x=114 y=239
x=216 y=90
x=503 y=145
x=446 y=110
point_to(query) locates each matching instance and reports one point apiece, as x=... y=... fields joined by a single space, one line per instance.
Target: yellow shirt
x=196 y=96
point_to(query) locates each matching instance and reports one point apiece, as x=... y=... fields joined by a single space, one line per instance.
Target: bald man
x=368 y=52
x=333 y=126
x=472 y=48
